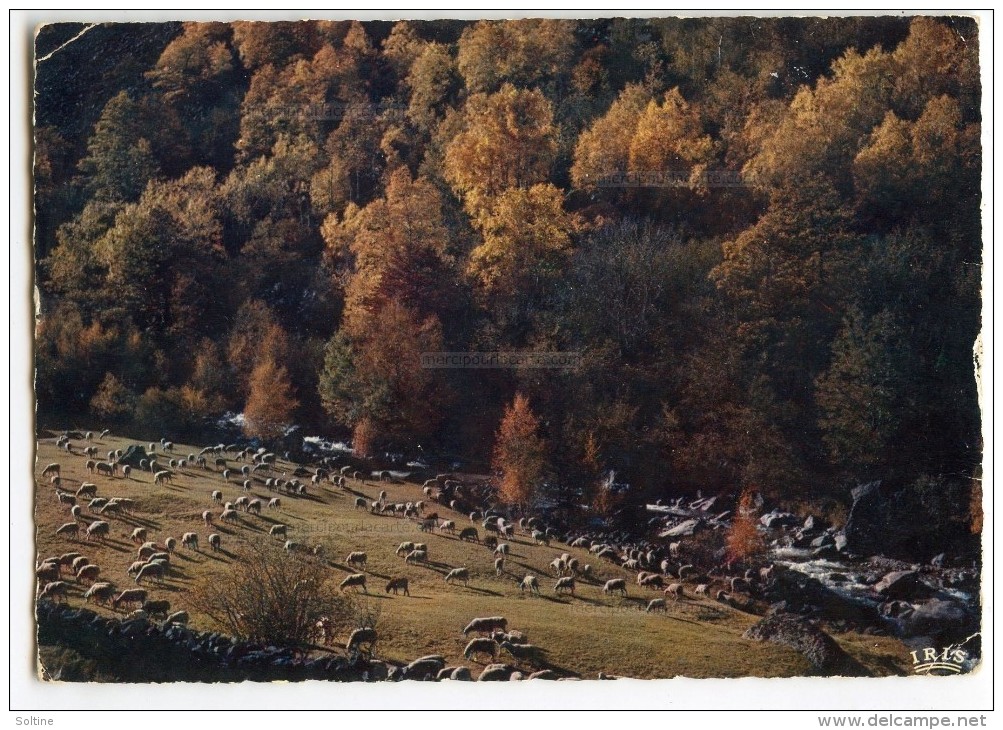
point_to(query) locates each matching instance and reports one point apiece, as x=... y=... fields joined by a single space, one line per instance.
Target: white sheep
x=357 y=638
x=458 y=574
x=99 y=529
x=675 y=590
x=615 y=584
x=207 y=518
x=416 y=556
x=565 y=584
x=278 y=530
x=55 y=590
x=486 y=625
x=499 y=565
x=217 y=497
x=356 y=579
x=655 y=603
x=215 y=542
x=356 y=558
x=530 y=583
x=481 y=646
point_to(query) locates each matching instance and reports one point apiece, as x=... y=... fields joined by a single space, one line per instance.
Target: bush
x=272 y=597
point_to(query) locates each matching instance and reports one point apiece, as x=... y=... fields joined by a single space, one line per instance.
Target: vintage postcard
x=497 y=350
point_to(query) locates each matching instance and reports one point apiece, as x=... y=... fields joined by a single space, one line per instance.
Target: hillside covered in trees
x=762 y=236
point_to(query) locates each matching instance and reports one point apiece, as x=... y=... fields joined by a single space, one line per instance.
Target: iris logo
x=938 y=661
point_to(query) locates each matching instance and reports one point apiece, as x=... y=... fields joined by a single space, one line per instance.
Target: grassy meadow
x=580 y=636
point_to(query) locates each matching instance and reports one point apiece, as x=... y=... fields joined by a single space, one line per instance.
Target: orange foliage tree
x=520 y=453
x=744 y=540
x=270 y=403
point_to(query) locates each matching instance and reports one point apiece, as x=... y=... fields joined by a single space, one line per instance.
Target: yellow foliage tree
x=508 y=142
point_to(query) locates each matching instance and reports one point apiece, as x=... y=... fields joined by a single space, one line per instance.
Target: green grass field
x=581 y=635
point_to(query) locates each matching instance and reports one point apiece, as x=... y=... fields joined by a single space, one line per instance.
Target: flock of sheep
x=246 y=471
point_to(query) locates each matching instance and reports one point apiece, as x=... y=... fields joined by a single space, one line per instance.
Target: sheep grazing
x=404 y=548
x=55 y=590
x=64 y=498
x=675 y=590
x=502 y=549
x=96 y=504
x=416 y=556
x=469 y=533
x=135 y=567
x=146 y=551
x=162 y=477
x=230 y=515
x=157 y=608
x=275 y=503
x=615 y=584
x=98 y=530
x=654 y=581
x=170 y=544
x=359 y=637
x=178 y=617
x=150 y=570
x=215 y=542
x=295 y=547
x=90 y=465
x=78 y=563
x=655 y=604
x=448 y=526
x=515 y=637
x=565 y=584
x=486 y=625
x=356 y=559
x=254 y=507
x=458 y=574
x=361 y=503
x=496 y=673
x=127 y=471
x=480 y=646
x=100 y=592
x=530 y=583
x=207 y=518
x=47 y=572
x=70 y=529
x=499 y=565
x=526 y=652
x=88 y=573
x=217 y=497
x=398 y=584
x=138 y=535
x=131 y=595
x=490 y=542
x=51 y=469
x=104 y=467
x=246 y=485
x=357 y=580
x=424 y=668
x=75 y=511
x=87 y=490
x=701 y=590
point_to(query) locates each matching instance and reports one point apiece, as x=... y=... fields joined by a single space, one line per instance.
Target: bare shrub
x=272 y=597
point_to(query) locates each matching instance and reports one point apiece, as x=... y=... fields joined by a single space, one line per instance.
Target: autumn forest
x=762 y=238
